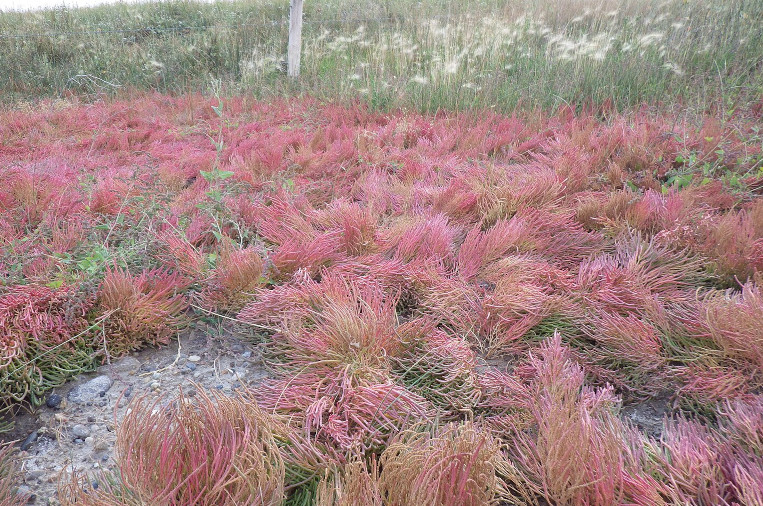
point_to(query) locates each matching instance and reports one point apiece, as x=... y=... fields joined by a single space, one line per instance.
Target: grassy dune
x=426 y=55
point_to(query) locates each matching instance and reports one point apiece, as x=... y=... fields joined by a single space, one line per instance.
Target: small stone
x=191 y=366
x=147 y=367
x=37 y=473
x=94 y=428
x=155 y=385
x=53 y=401
x=95 y=485
x=126 y=365
x=197 y=374
x=89 y=440
x=29 y=441
x=156 y=376
x=90 y=391
x=78 y=441
x=100 y=446
x=219 y=387
x=247 y=354
x=80 y=431
x=191 y=392
x=128 y=392
x=194 y=358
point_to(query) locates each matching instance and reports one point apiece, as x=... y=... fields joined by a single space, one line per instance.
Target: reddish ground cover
x=606 y=262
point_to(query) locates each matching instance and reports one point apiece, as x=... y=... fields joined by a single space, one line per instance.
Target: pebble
x=90 y=391
x=191 y=366
x=94 y=428
x=194 y=358
x=147 y=368
x=101 y=446
x=155 y=385
x=247 y=354
x=89 y=440
x=53 y=401
x=29 y=441
x=80 y=431
x=156 y=376
x=126 y=365
x=37 y=473
x=91 y=419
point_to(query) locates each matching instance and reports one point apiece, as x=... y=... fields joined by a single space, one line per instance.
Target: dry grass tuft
x=455 y=465
x=208 y=451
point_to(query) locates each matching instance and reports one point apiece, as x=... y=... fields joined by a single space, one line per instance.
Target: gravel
x=80 y=434
x=29 y=441
x=80 y=431
x=53 y=401
x=90 y=391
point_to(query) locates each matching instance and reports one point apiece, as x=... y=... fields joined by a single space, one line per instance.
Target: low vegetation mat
x=456 y=308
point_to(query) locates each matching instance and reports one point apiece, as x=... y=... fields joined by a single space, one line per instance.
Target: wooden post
x=295 y=37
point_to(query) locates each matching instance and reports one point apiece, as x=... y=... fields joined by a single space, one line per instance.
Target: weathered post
x=295 y=37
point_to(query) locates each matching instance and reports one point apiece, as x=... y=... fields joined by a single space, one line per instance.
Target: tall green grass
x=427 y=55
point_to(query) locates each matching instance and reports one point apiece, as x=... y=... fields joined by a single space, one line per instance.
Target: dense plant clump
x=211 y=451
x=391 y=261
x=44 y=340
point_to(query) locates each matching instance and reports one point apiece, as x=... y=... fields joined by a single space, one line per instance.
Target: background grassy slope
x=427 y=55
